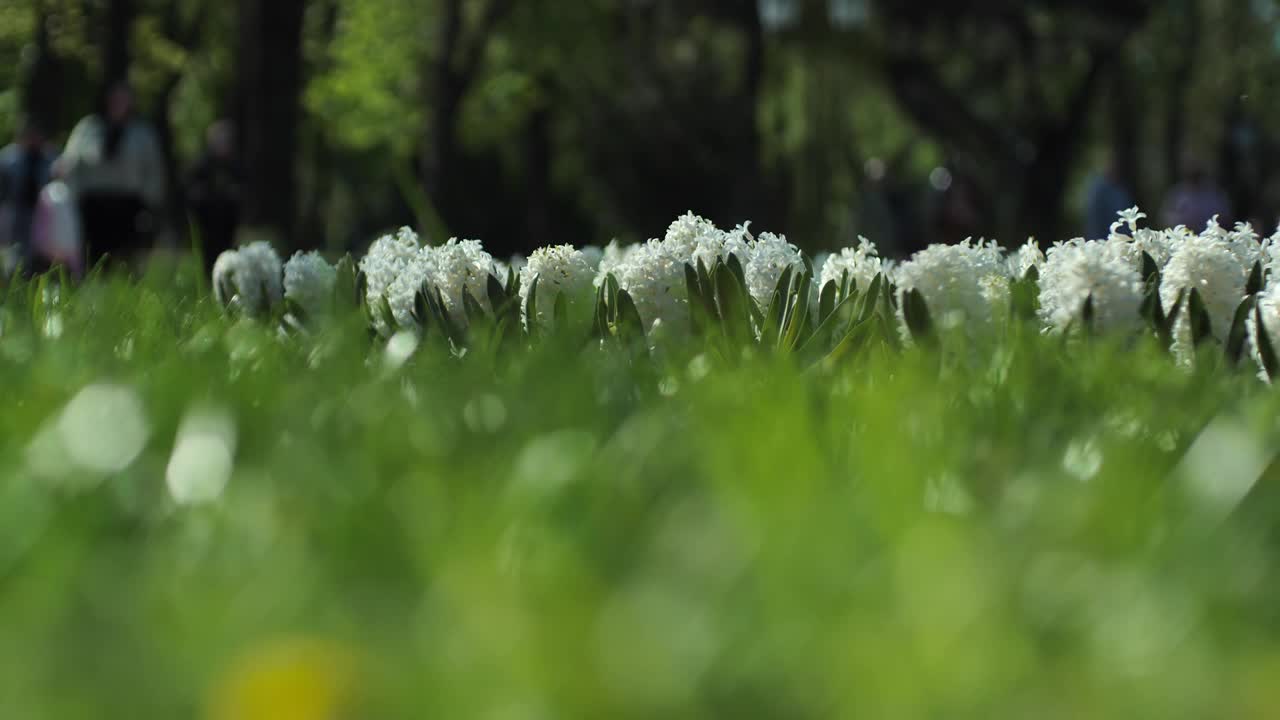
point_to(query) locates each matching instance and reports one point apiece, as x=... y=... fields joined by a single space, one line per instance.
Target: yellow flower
x=297 y=679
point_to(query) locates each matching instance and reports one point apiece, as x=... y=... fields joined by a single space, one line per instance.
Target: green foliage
x=588 y=530
x=370 y=92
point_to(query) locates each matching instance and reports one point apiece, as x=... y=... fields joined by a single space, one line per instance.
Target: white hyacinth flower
x=309 y=281
x=862 y=263
x=960 y=284
x=1078 y=271
x=558 y=270
x=462 y=266
x=388 y=256
x=593 y=254
x=249 y=278
x=714 y=247
x=1028 y=256
x=611 y=258
x=654 y=278
x=688 y=233
x=1269 y=308
x=1208 y=264
x=402 y=295
x=770 y=256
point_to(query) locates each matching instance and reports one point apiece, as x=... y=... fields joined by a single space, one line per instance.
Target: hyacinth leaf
x=708 y=289
x=1088 y=315
x=1024 y=295
x=1239 y=331
x=1201 y=328
x=1266 y=350
x=498 y=298
x=435 y=311
x=771 y=330
x=1150 y=270
x=513 y=283
x=388 y=317
x=886 y=331
x=473 y=310
x=1150 y=310
x=346 y=284
x=600 y=318
x=852 y=342
x=888 y=295
x=871 y=299
x=1254 y=286
x=37 y=301
x=293 y=311
x=97 y=271
x=611 y=292
x=691 y=283
x=629 y=324
x=916 y=313
x=827 y=301
x=699 y=309
x=735 y=266
x=560 y=311
x=826 y=328
x=455 y=334
x=798 y=318
x=362 y=287
x=1165 y=329
x=421 y=309
x=753 y=313
x=531 y=308
x=848 y=285
x=733 y=304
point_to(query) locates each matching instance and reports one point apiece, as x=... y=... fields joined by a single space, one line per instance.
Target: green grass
x=1036 y=529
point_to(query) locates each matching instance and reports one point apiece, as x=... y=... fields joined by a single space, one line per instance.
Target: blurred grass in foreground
x=201 y=518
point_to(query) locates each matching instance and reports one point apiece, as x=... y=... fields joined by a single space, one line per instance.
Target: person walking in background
x=1108 y=195
x=113 y=164
x=1196 y=200
x=26 y=166
x=213 y=192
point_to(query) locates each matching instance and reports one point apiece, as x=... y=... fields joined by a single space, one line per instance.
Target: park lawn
x=1046 y=528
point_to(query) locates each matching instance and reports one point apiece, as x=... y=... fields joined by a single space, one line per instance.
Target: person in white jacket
x=114 y=164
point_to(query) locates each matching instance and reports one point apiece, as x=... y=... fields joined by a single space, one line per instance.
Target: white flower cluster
x=653 y=273
x=308 y=283
x=962 y=285
x=559 y=269
x=769 y=257
x=965 y=286
x=461 y=267
x=1093 y=271
x=1028 y=256
x=861 y=263
x=388 y=257
x=1209 y=264
x=1269 y=308
x=248 y=279
x=397 y=267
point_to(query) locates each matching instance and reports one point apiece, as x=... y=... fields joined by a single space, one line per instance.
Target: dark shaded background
x=527 y=122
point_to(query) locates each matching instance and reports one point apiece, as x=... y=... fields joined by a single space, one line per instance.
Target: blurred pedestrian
x=26 y=166
x=213 y=192
x=114 y=165
x=1108 y=195
x=1196 y=200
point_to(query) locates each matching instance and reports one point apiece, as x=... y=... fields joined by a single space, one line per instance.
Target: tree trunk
x=42 y=82
x=1188 y=44
x=116 y=43
x=270 y=88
